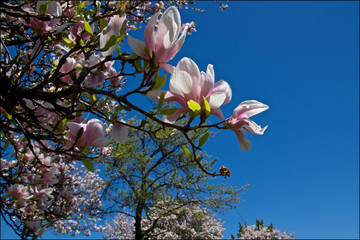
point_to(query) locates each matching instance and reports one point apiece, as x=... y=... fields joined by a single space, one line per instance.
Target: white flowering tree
x=170 y=220
x=63 y=74
x=260 y=231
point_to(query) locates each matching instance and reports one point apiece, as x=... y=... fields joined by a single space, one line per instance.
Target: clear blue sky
x=301 y=59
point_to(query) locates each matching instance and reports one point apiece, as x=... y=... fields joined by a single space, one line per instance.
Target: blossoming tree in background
x=260 y=231
x=173 y=221
x=63 y=76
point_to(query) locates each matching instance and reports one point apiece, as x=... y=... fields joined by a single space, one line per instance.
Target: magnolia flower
x=113 y=28
x=92 y=136
x=18 y=192
x=164 y=41
x=240 y=122
x=188 y=83
x=119 y=133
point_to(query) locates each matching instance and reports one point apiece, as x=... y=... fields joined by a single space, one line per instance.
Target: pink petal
x=138 y=47
x=249 y=108
x=169 y=27
x=216 y=100
x=167 y=67
x=244 y=143
x=149 y=33
x=253 y=127
x=181 y=83
x=207 y=81
x=223 y=86
x=173 y=117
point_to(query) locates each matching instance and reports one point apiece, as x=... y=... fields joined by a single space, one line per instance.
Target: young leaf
x=203 y=139
x=187 y=152
x=159 y=82
x=168 y=111
x=102 y=24
x=88 y=28
x=89 y=165
x=161 y=100
x=194 y=107
x=206 y=107
x=68 y=42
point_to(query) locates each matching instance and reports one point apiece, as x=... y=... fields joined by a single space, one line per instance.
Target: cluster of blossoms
x=195 y=91
x=41 y=190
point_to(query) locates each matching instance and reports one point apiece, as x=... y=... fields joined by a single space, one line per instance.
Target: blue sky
x=301 y=59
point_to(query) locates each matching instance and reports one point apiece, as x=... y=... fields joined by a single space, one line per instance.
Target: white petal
x=216 y=100
x=137 y=46
x=249 y=108
x=180 y=83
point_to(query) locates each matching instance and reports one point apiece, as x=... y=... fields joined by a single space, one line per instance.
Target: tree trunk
x=139 y=235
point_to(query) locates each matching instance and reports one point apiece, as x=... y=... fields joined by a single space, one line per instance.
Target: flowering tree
x=260 y=231
x=63 y=71
x=48 y=194
x=173 y=221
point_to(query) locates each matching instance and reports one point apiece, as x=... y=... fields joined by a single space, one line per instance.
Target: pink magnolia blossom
x=113 y=28
x=164 y=41
x=92 y=136
x=188 y=83
x=240 y=122
x=18 y=192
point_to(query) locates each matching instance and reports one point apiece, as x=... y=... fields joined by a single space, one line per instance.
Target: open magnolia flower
x=240 y=122
x=92 y=135
x=189 y=85
x=163 y=41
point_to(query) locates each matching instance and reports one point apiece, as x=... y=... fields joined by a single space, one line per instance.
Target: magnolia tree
x=63 y=74
x=173 y=221
x=260 y=231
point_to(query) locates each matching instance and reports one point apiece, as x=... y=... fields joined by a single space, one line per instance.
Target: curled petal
x=249 y=108
x=253 y=127
x=168 y=28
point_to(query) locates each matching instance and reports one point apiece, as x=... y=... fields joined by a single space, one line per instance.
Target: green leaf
x=89 y=165
x=80 y=7
x=43 y=8
x=98 y=5
x=194 y=107
x=79 y=67
x=161 y=100
x=63 y=123
x=88 y=28
x=112 y=41
x=206 y=107
x=159 y=82
x=68 y=42
x=187 y=152
x=168 y=111
x=203 y=139
x=102 y=24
